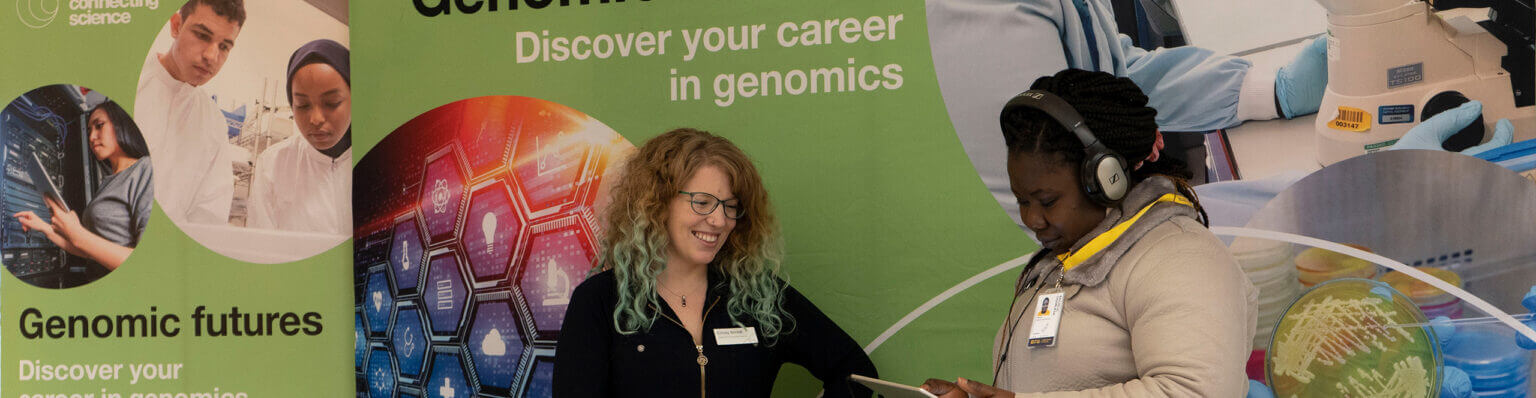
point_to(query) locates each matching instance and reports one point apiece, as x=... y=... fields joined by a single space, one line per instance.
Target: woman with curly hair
x=687 y=295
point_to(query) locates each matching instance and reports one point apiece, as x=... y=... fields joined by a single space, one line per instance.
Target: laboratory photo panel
x=1401 y=273
x=1416 y=258
x=1257 y=91
x=78 y=186
x=250 y=104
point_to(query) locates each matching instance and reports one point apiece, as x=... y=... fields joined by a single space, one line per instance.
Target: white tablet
x=46 y=187
x=891 y=390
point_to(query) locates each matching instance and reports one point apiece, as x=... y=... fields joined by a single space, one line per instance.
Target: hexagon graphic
x=550 y=158
x=442 y=194
x=487 y=128
x=381 y=375
x=406 y=255
x=447 y=379
x=409 y=340
x=492 y=232
x=559 y=256
x=445 y=294
x=377 y=303
x=539 y=382
x=360 y=344
x=495 y=345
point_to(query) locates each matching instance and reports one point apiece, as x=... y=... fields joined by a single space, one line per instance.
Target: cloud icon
x=493 y=344
x=378 y=301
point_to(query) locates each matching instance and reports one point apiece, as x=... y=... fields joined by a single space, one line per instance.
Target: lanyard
x=1071 y=260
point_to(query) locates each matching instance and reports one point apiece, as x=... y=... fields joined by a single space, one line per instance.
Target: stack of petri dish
x=1314 y=266
x=1433 y=301
x=1497 y=367
x=1267 y=264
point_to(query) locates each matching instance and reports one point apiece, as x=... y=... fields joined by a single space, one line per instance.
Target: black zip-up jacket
x=594 y=360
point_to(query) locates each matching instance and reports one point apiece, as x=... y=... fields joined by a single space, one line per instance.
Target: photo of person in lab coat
x=984 y=51
x=106 y=231
x=304 y=182
x=254 y=142
x=181 y=122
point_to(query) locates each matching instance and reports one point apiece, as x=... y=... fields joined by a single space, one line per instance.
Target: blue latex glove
x=1454 y=382
x=1299 y=85
x=1432 y=132
x=1530 y=304
x=1259 y=390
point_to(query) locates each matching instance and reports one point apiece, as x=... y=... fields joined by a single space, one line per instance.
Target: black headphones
x=1105 y=175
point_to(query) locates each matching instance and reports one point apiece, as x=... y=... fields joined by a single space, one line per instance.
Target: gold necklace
x=669 y=290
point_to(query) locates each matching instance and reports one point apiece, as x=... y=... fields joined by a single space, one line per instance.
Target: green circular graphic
x=1334 y=341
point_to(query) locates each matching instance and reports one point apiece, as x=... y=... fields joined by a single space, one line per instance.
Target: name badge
x=735 y=336
x=1047 y=313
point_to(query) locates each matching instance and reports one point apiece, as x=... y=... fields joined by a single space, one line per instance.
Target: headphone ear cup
x=1104 y=178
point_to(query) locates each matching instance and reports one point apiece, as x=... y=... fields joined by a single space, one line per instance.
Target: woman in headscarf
x=304 y=183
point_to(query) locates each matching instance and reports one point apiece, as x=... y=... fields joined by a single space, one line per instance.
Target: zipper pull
x=703 y=360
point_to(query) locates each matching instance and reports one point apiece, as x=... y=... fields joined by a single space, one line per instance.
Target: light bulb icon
x=488 y=226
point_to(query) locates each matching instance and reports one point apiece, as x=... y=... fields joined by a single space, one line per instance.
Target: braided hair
x=1115 y=109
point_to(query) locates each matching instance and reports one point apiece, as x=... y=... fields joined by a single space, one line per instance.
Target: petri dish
x=1331 y=342
x=1421 y=292
x=1489 y=356
x=1316 y=266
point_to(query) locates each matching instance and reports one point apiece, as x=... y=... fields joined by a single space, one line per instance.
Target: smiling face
x=103 y=136
x=322 y=104
x=1051 y=202
x=201 y=44
x=696 y=239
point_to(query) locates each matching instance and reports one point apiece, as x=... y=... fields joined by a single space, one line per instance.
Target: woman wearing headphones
x=1144 y=300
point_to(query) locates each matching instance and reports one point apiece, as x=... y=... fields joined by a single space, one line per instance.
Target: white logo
x=378 y=301
x=488 y=226
x=379 y=380
x=557 y=285
x=446 y=391
x=444 y=294
x=405 y=255
x=492 y=344
x=36 y=14
x=548 y=158
x=410 y=343
x=440 y=197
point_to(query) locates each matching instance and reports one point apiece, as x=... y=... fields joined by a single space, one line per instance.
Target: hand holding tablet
x=891 y=390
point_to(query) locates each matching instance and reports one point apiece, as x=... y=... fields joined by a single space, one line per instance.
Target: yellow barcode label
x=1351 y=119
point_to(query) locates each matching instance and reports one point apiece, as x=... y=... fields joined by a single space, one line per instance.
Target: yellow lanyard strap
x=1071 y=260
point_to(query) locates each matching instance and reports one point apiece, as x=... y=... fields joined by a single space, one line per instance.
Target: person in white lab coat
x=182 y=124
x=304 y=183
x=985 y=51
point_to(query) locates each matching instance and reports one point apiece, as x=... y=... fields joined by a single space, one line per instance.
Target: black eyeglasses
x=703 y=203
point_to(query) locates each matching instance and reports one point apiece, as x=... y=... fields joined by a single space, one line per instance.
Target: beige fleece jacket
x=1164 y=311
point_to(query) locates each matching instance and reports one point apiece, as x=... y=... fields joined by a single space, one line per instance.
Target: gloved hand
x=1259 y=390
x=1299 y=85
x=1454 y=383
x=1432 y=132
x=1530 y=304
